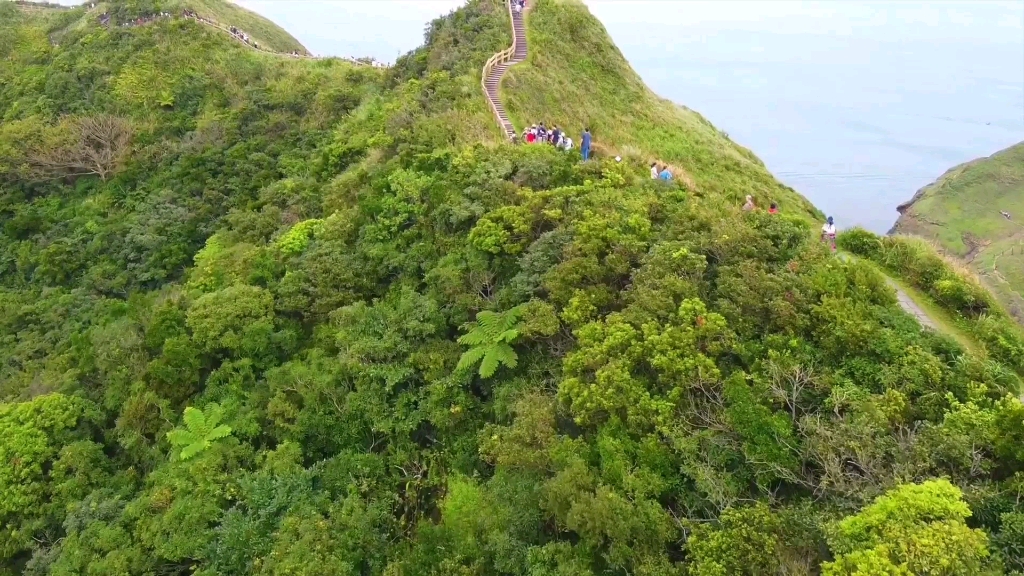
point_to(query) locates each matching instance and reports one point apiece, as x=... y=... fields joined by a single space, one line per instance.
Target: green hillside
x=575 y=78
x=277 y=316
x=961 y=212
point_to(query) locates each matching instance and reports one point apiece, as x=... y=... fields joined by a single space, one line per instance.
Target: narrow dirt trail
x=911 y=307
x=905 y=301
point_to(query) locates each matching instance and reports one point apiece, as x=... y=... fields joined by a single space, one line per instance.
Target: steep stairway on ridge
x=496 y=67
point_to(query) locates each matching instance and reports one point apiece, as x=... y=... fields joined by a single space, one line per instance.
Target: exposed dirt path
x=911 y=307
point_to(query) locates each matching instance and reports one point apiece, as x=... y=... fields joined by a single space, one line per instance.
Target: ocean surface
x=855 y=104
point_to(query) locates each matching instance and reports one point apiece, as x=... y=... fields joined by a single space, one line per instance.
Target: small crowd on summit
x=555 y=136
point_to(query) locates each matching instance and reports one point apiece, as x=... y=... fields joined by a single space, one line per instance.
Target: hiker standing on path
x=585 y=144
x=828 y=233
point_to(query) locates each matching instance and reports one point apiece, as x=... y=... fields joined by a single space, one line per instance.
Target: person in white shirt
x=654 y=171
x=828 y=233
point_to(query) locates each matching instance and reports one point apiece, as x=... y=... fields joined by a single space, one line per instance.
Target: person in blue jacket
x=585 y=144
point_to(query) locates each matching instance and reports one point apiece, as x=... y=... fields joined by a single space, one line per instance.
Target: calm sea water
x=855 y=104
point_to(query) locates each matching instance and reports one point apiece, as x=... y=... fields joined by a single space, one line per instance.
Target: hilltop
x=576 y=77
x=961 y=212
x=263 y=31
x=262 y=314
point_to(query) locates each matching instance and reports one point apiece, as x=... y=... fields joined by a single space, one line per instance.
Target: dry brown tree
x=89 y=145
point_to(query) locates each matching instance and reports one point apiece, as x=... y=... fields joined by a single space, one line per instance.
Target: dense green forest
x=263 y=315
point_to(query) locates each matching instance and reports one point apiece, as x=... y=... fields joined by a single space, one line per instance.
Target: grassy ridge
x=576 y=77
x=961 y=213
x=265 y=32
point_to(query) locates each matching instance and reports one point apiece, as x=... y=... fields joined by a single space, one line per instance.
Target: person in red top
x=773 y=209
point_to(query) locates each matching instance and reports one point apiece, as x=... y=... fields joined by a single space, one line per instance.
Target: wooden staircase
x=494 y=69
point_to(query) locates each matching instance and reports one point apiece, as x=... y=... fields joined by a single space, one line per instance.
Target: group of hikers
x=749 y=206
x=554 y=136
x=660 y=172
x=105 y=19
x=245 y=38
x=518 y=5
x=234 y=31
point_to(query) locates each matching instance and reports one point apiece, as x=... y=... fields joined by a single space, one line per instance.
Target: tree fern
x=199 y=432
x=490 y=339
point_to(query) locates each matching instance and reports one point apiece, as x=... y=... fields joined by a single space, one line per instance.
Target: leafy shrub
x=860 y=242
x=297 y=238
x=1002 y=339
x=202 y=428
x=912 y=529
x=490 y=339
x=958 y=293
